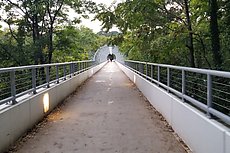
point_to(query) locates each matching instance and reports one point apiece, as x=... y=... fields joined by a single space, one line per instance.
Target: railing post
x=57 y=73
x=209 y=93
x=64 y=68
x=76 y=68
x=13 y=87
x=152 y=71
x=168 y=78
x=183 y=84
x=82 y=66
x=34 y=80
x=141 y=68
x=70 y=70
x=73 y=65
x=79 y=67
x=158 y=74
x=146 y=71
x=47 y=77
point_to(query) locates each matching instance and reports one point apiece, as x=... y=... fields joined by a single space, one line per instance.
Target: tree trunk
x=50 y=43
x=51 y=29
x=38 y=55
x=215 y=39
x=190 y=36
x=34 y=42
x=39 y=58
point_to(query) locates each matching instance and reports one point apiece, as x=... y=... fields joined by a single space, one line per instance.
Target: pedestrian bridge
x=127 y=107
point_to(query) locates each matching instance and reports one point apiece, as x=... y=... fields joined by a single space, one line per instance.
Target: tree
x=75 y=43
x=215 y=39
x=13 y=52
x=159 y=29
x=40 y=17
x=190 y=34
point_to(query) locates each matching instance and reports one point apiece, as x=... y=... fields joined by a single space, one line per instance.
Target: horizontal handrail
x=203 y=71
x=40 y=66
x=208 y=90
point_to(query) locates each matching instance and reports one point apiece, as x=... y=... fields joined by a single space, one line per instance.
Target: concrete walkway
x=107 y=114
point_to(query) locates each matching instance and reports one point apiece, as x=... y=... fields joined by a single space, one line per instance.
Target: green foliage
x=36 y=34
x=157 y=31
x=151 y=30
x=14 y=52
x=75 y=43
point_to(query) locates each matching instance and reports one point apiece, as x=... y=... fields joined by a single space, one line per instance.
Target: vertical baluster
x=141 y=68
x=74 y=69
x=209 y=93
x=47 y=77
x=13 y=87
x=64 y=68
x=152 y=72
x=57 y=74
x=70 y=70
x=158 y=74
x=183 y=84
x=168 y=78
x=77 y=68
x=34 y=80
x=146 y=71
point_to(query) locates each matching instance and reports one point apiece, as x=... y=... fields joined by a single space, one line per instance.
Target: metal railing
x=16 y=82
x=207 y=90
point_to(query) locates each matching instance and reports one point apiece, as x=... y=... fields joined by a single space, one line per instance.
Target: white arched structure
x=104 y=51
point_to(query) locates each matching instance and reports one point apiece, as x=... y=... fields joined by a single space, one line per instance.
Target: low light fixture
x=46 y=102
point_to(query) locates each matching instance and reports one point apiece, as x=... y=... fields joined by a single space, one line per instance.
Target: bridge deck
x=107 y=114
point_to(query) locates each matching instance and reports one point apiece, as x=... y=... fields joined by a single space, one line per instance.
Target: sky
x=96 y=25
